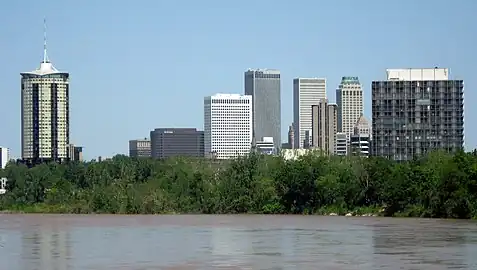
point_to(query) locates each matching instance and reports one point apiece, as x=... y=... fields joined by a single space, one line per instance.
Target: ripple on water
x=234 y=242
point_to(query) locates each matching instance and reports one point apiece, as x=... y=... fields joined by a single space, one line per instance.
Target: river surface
x=99 y=242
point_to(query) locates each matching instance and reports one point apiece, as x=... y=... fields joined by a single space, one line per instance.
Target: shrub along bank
x=439 y=185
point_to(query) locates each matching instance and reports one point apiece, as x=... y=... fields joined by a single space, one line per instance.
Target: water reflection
x=230 y=247
x=45 y=247
x=238 y=242
x=433 y=244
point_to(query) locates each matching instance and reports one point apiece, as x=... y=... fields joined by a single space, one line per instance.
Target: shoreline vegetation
x=439 y=185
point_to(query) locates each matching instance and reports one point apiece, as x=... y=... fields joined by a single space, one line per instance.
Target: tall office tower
x=264 y=87
x=227 y=125
x=172 y=142
x=4 y=157
x=140 y=148
x=45 y=113
x=306 y=93
x=416 y=111
x=349 y=97
x=324 y=126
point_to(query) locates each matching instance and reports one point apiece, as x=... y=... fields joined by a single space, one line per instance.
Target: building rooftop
x=362 y=122
x=264 y=70
x=267 y=140
x=46 y=67
x=308 y=78
x=418 y=74
x=349 y=80
x=229 y=96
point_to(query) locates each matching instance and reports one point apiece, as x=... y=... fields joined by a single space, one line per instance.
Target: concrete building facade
x=140 y=148
x=341 y=145
x=306 y=93
x=324 y=126
x=291 y=137
x=45 y=126
x=264 y=87
x=360 y=140
x=75 y=153
x=172 y=142
x=349 y=98
x=290 y=144
x=228 y=125
x=416 y=111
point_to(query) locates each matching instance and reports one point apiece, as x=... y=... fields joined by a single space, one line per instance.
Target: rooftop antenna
x=45 y=55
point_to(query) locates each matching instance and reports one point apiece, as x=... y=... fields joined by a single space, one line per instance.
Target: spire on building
x=45 y=55
x=46 y=67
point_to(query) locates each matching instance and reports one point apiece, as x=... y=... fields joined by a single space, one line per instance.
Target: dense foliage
x=439 y=185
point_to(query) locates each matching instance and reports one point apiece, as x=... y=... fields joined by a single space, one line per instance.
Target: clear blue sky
x=138 y=65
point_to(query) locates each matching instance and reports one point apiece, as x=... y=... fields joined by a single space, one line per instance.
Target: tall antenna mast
x=45 y=55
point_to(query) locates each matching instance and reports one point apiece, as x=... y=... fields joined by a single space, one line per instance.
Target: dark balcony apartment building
x=170 y=142
x=416 y=111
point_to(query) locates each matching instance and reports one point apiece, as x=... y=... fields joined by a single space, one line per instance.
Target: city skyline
x=98 y=98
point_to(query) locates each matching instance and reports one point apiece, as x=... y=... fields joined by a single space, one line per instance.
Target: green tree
x=435 y=185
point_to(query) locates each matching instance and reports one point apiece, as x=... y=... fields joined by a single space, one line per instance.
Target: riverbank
x=42 y=208
x=439 y=185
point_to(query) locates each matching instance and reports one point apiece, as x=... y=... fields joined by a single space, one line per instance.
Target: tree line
x=439 y=185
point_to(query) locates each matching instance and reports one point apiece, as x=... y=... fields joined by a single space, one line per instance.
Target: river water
x=60 y=242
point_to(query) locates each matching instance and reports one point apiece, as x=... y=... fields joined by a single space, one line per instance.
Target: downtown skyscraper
x=306 y=93
x=45 y=113
x=227 y=125
x=264 y=87
x=349 y=98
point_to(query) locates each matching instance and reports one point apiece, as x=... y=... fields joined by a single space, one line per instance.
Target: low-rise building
x=172 y=142
x=75 y=153
x=140 y=148
x=266 y=146
x=341 y=147
x=4 y=156
x=360 y=140
x=3 y=185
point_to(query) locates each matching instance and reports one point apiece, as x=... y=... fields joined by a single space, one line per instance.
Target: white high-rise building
x=227 y=125
x=306 y=93
x=349 y=97
x=4 y=156
x=45 y=112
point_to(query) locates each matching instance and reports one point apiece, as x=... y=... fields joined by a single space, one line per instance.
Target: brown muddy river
x=98 y=242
